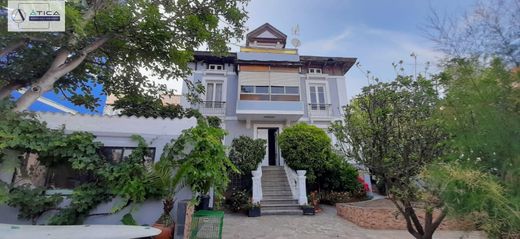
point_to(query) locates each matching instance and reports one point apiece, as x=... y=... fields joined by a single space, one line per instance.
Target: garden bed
x=382 y=214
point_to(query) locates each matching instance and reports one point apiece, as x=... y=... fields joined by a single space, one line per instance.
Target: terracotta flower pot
x=166 y=232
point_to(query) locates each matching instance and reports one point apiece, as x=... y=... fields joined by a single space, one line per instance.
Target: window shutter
x=285 y=79
x=253 y=78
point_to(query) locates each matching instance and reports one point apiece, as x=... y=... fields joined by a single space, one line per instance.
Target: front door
x=269 y=135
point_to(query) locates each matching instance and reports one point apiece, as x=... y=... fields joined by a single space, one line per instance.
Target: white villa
x=264 y=88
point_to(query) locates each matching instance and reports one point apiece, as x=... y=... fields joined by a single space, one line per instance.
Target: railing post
x=257 y=184
x=302 y=188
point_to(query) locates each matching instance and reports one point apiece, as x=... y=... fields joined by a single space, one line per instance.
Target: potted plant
x=254 y=209
x=168 y=175
x=308 y=210
x=203 y=160
x=165 y=222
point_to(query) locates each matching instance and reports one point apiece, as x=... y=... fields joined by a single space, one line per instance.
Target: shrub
x=331 y=198
x=305 y=147
x=246 y=153
x=238 y=200
x=338 y=175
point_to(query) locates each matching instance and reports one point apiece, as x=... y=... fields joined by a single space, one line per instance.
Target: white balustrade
x=302 y=188
x=297 y=183
x=292 y=178
x=257 y=184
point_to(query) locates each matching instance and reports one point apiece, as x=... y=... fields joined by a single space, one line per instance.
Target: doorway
x=271 y=157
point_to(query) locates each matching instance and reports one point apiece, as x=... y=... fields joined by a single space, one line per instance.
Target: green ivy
x=32 y=202
x=22 y=133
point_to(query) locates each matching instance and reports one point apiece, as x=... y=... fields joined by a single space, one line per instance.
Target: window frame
x=123 y=148
x=314 y=70
x=215 y=67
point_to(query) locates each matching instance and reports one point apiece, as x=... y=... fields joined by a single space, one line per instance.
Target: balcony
x=212 y=108
x=269 y=110
x=320 y=111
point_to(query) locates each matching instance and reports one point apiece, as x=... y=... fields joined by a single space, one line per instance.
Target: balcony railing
x=211 y=107
x=320 y=110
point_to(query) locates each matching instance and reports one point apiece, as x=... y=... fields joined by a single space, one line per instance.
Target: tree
x=468 y=193
x=305 y=147
x=110 y=42
x=149 y=106
x=490 y=29
x=388 y=129
x=481 y=113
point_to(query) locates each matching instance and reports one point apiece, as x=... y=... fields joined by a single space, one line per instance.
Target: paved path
x=324 y=225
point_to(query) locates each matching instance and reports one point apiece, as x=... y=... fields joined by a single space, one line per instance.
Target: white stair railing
x=257 y=184
x=297 y=184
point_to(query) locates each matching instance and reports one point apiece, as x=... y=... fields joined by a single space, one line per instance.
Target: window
x=118 y=154
x=317 y=93
x=262 y=89
x=63 y=176
x=248 y=89
x=292 y=90
x=272 y=93
x=214 y=95
x=314 y=70
x=277 y=90
x=216 y=67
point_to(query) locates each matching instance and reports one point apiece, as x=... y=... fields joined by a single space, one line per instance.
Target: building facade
x=266 y=86
x=262 y=89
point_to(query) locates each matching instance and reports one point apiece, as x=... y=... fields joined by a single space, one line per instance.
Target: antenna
x=296 y=32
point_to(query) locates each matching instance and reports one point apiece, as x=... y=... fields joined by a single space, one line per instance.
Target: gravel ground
x=324 y=225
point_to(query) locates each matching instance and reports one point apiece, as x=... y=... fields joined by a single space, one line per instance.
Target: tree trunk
x=6 y=90
x=58 y=68
x=32 y=94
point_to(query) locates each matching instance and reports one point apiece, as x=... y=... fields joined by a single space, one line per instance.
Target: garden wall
x=382 y=214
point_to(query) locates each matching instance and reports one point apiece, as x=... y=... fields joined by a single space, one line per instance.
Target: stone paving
x=324 y=225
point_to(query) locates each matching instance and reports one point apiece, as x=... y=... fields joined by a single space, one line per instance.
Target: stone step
x=276 y=189
x=281 y=212
x=270 y=197
x=269 y=169
x=280 y=181
x=279 y=201
x=276 y=194
x=280 y=207
x=274 y=175
x=274 y=183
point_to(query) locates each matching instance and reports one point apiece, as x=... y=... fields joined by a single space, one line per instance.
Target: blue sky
x=377 y=32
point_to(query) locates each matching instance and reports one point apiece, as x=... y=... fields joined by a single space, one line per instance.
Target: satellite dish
x=296 y=42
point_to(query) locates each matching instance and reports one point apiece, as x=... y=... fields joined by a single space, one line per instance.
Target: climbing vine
x=130 y=180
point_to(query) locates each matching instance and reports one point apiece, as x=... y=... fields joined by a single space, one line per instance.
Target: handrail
x=292 y=178
x=297 y=183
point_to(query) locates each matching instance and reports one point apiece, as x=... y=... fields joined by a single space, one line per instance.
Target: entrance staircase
x=277 y=195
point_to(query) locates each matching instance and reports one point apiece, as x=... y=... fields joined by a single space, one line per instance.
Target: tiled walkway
x=324 y=225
